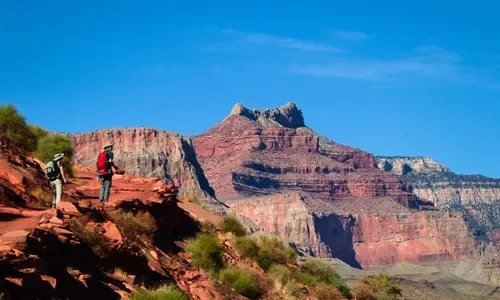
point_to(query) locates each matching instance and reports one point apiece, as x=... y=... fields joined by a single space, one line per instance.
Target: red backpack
x=103 y=163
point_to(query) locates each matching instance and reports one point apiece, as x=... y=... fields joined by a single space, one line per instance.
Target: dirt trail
x=86 y=187
x=18 y=219
x=126 y=187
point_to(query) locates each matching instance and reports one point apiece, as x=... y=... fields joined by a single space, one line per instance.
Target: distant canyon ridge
x=329 y=199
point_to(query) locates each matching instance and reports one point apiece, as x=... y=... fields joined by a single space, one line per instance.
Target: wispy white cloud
x=282 y=42
x=431 y=62
x=351 y=35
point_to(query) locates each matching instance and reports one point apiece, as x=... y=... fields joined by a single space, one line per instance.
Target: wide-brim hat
x=58 y=156
x=107 y=146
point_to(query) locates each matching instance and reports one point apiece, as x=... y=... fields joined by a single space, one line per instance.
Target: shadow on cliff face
x=336 y=232
x=191 y=157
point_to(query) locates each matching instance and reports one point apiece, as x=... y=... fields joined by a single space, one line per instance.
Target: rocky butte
x=331 y=200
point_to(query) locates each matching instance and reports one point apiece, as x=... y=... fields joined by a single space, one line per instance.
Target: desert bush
x=394 y=292
x=315 y=272
x=15 y=133
x=206 y=252
x=49 y=145
x=247 y=247
x=231 y=224
x=325 y=291
x=379 y=282
x=166 y=292
x=208 y=227
x=265 y=250
x=274 y=251
x=280 y=274
x=240 y=280
x=93 y=238
x=138 y=224
x=38 y=132
x=363 y=291
x=292 y=290
x=120 y=274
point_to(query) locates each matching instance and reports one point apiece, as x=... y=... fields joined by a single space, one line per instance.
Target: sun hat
x=58 y=156
x=107 y=146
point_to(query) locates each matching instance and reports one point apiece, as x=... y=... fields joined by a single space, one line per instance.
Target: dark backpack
x=52 y=170
x=103 y=163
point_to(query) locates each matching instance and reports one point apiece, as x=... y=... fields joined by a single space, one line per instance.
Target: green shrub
x=15 y=133
x=265 y=259
x=230 y=224
x=247 y=247
x=93 y=238
x=166 y=292
x=280 y=273
x=49 y=145
x=309 y=280
x=266 y=251
x=240 y=280
x=281 y=252
x=327 y=292
x=315 y=272
x=206 y=252
x=134 y=224
x=380 y=282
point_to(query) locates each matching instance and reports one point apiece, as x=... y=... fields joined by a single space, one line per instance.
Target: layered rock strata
x=366 y=239
x=253 y=153
x=147 y=152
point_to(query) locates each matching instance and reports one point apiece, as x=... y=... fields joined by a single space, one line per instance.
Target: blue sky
x=392 y=78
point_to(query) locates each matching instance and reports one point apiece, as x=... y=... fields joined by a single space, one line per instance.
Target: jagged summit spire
x=288 y=115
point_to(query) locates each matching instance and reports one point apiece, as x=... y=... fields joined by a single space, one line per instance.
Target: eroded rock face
x=434 y=182
x=417 y=237
x=148 y=153
x=402 y=165
x=285 y=215
x=441 y=187
x=254 y=153
x=361 y=239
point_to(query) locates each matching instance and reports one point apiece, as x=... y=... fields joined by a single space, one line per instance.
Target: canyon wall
x=434 y=182
x=147 y=152
x=361 y=240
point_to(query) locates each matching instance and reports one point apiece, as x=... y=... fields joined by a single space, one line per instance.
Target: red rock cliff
x=147 y=152
x=361 y=239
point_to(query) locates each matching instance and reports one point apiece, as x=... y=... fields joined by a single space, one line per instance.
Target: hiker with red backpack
x=104 y=171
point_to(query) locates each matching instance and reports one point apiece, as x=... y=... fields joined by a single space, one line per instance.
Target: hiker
x=105 y=172
x=55 y=173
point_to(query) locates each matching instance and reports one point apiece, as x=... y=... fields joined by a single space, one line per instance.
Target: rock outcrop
x=85 y=249
x=147 y=152
x=434 y=182
x=400 y=165
x=253 y=153
x=441 y=187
